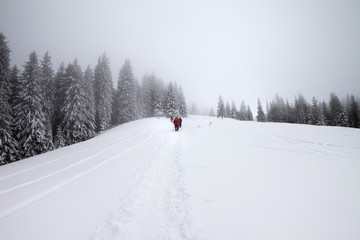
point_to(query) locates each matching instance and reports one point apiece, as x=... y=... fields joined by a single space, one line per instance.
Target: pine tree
x=88 y=84
x=170 y=102
x=158 y=109
x=233 y=111
x=77 y=123
x=290 y=112
x=354 y=113
x=316 y=115
x=60 y=87
x=30 y=120
x=242 y=111
x=227 y=110
x=326 y=113
x=341 y=119
x=103 y=88
x=126 y=95
x=8 y=145
x=182 y=103
x=47 y=78
x=221 y=108
x=335 y=109
x=139 y=99
x=302 y=110
x=148 y=88
x=260 y=113
x=249 y=115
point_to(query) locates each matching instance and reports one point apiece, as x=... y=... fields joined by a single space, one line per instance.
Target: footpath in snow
x=214 y=179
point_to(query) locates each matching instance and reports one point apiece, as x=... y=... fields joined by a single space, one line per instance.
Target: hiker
x=176 y=123
x=180 y=122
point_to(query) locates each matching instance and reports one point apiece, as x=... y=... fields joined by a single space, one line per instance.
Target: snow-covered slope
x=215 y=179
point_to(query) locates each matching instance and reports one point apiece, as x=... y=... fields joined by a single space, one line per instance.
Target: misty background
x=239 y=49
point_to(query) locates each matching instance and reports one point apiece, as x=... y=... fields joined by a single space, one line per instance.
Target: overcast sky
x=239 y=49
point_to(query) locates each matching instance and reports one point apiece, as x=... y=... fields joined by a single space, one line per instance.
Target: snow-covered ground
x=215 y=179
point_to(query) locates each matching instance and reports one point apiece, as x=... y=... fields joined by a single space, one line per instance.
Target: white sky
x=239 y=49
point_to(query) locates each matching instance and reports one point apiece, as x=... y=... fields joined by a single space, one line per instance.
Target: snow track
x=9 y=210
x=154 y=207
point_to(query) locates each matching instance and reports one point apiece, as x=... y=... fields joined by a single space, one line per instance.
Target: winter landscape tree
x=103 y=89
x=221 y=108
x=170 y=106
x=78 y=122
x=260 y=113
x=30 y=120
x=126 y=95
x=8 y=145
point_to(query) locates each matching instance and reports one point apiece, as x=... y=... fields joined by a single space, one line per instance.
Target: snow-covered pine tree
x=126 y=95
x=60 y=87
x=139 y=99
x=103 y=89
x=148 y=88
x=249 y=115
x=182 y=103
x=176 y=94
x=242 y=111
x=221 y=108
x=341 y=119
x=233 y=111
x=260 y=113
x=158 y=109
x=354 y=113
x=170 y=102
x=302 y=110
x=326 y=112
x=88 y=83
x=8 y=145
x=77 y=122
x=47 y=83
x=316 y=115
x=290 y=112
x=30 y=120
x=335 y=109
x=227 y=110
x=152 y=89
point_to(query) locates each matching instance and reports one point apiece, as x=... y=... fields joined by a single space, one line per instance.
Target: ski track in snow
x=13 y=209
x=113 y=143
x=59 y=158
x=155 y=207
x=117 y=143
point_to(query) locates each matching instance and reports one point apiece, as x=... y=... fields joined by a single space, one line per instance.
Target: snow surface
x=214 y=179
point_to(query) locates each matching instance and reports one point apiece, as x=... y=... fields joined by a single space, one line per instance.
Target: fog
x=241 y=50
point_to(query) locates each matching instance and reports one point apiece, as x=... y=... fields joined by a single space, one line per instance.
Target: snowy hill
x=215 y=179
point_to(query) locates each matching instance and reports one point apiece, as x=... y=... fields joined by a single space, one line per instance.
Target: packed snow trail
x=214 y=179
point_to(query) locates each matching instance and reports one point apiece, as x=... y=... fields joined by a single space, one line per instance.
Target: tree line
x=41 y=110
x=345 y=113
x=225 y=110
